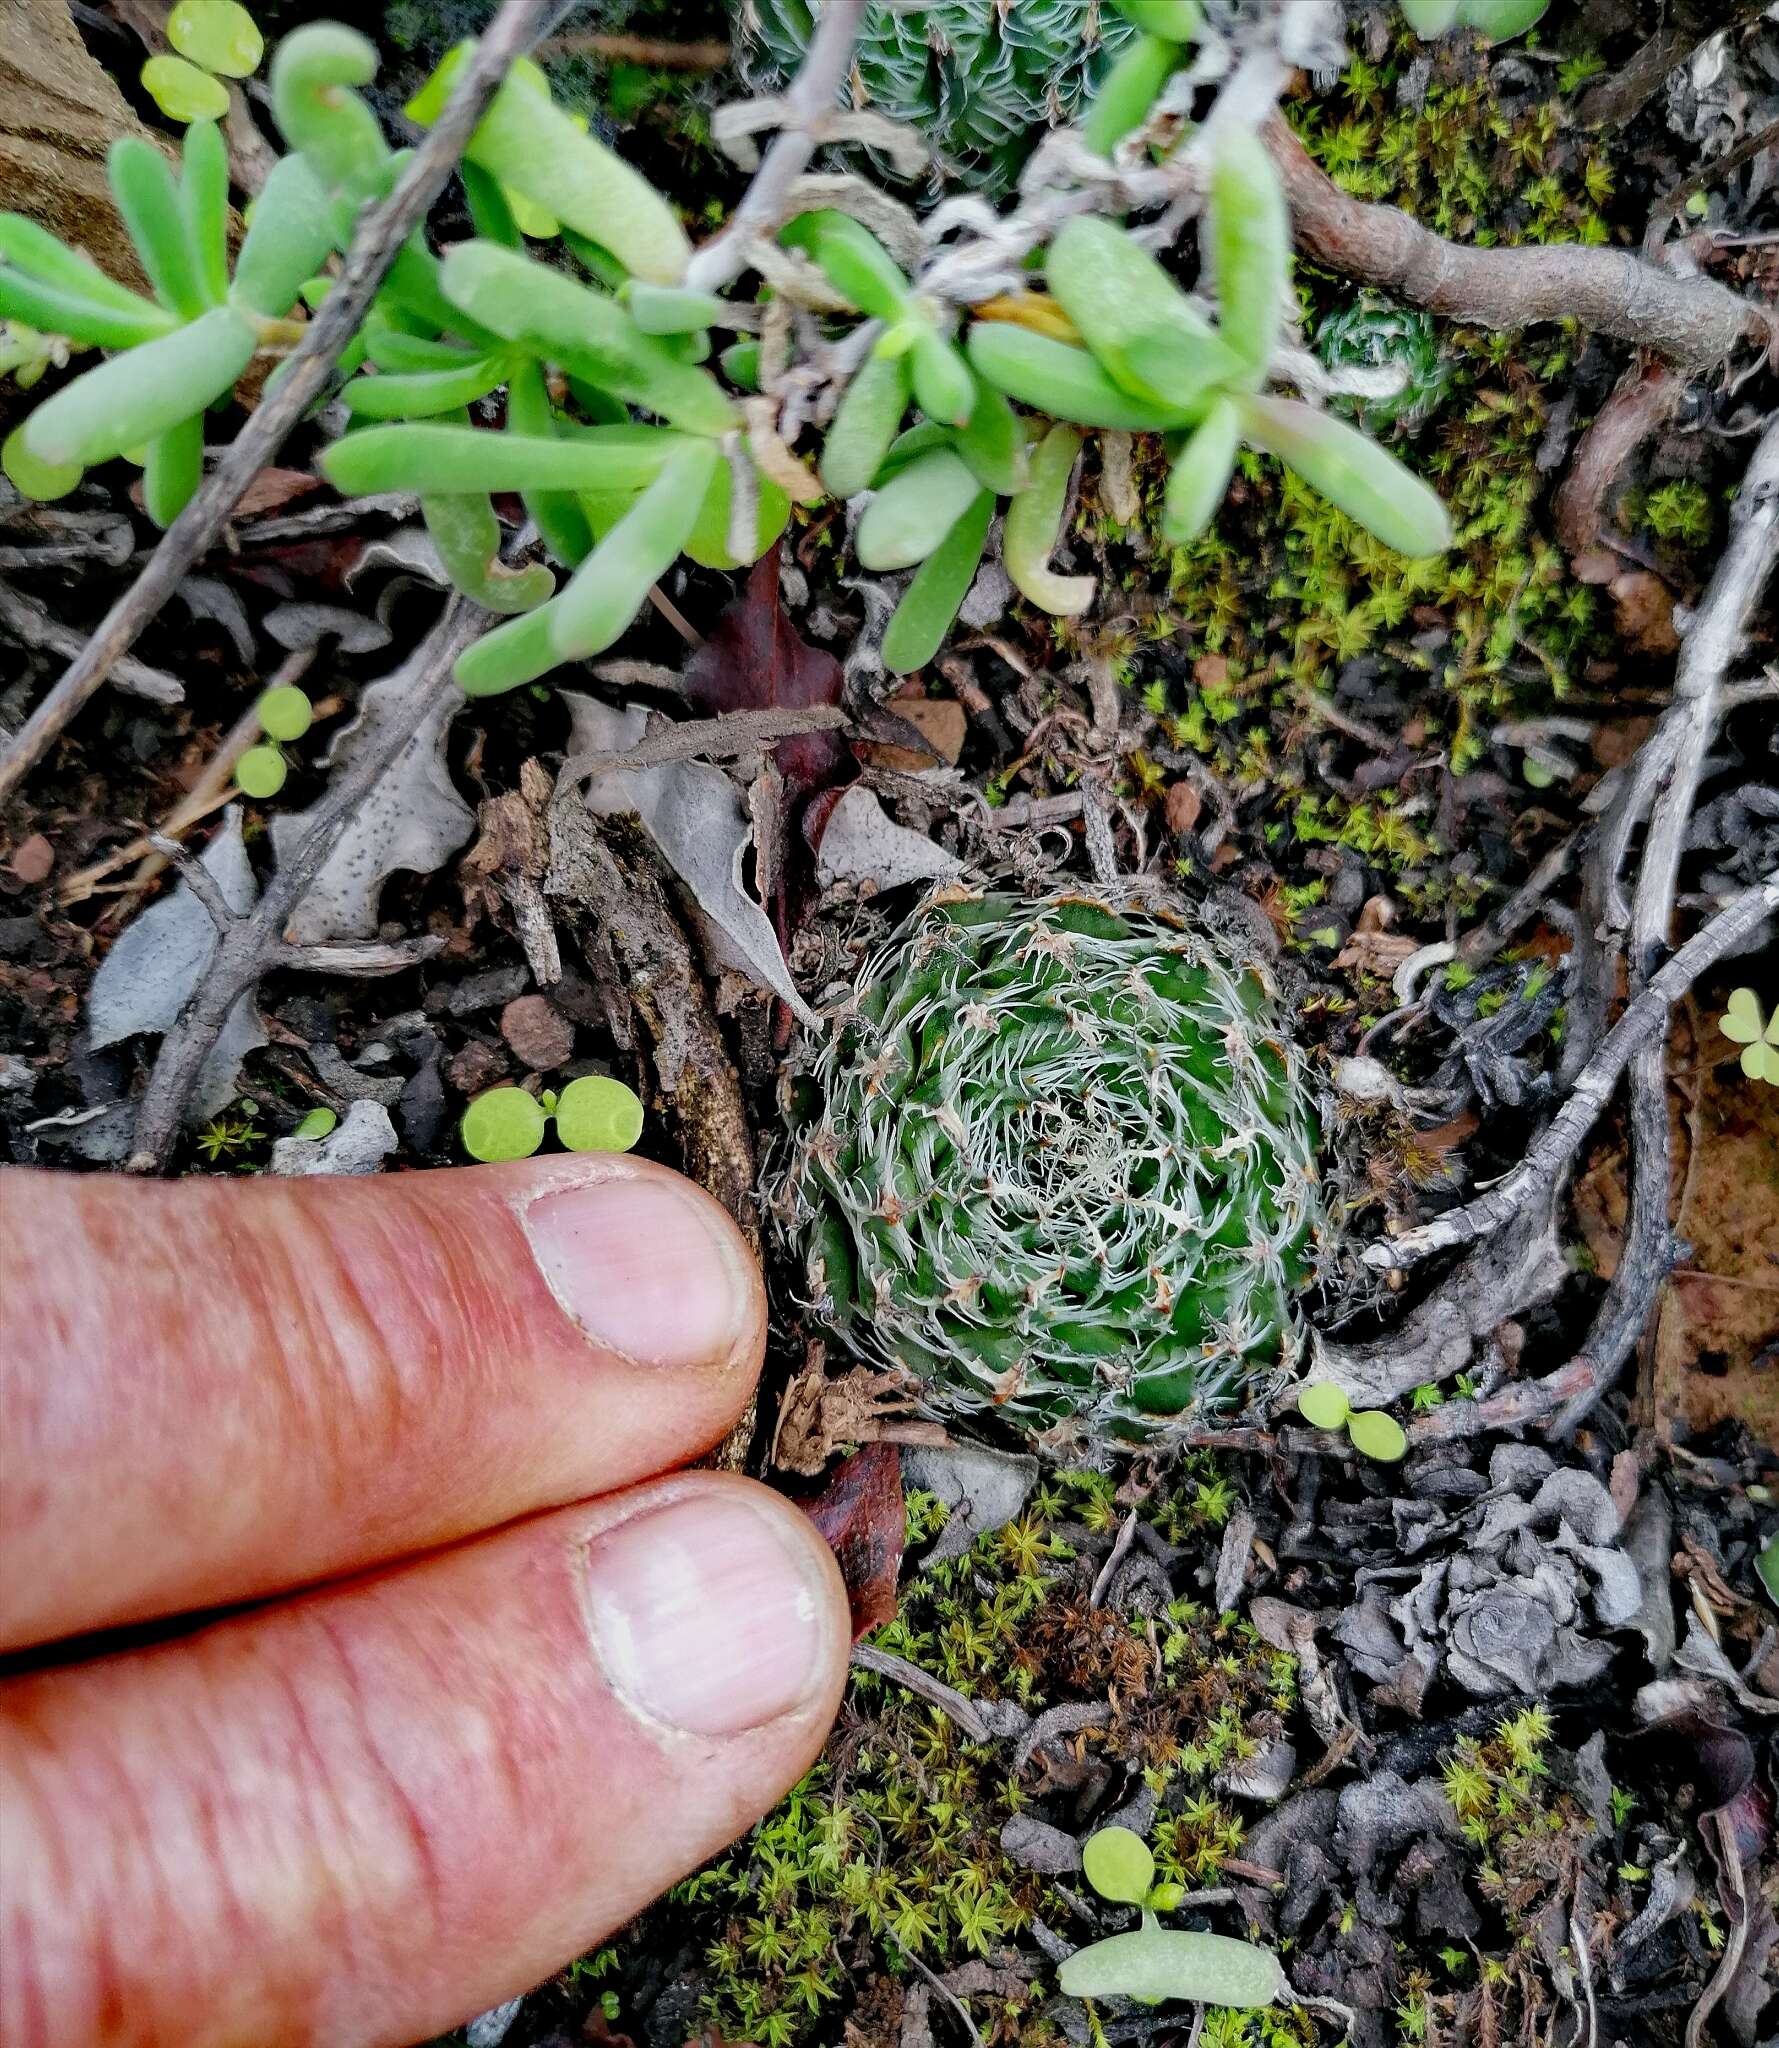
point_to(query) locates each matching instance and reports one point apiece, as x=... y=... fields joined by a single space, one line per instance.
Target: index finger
x=215 y=1390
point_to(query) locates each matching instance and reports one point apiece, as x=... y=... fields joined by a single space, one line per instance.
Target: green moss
x=891 y=1844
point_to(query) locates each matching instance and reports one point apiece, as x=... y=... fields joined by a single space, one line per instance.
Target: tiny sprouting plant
x=213 y=40
x=284 y=715
x=320 y=1122
x=1766 y=1567
x=1057 y=1158
x=1372 y=1433
x=1154 y=1963
x=1498 y=20
x=1744 y=1025
x=593 y=1114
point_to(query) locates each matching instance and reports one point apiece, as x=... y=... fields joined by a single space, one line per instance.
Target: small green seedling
x=1767 y=1569
x=1156 y=1963
x=593 y=1114
x=1743 y=1024
x=319 y=1123
x=215 y=40
x=284 y=715
x=1373 y=1434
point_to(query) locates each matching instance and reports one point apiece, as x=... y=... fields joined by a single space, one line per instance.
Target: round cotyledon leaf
x=218 y=34
x=182 y=91
x=1377 y=1435
x=506 y=1123
x=598 y=1114
x=1322 y=1405
x=1118 y=1865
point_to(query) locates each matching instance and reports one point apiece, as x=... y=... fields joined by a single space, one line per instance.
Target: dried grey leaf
x=984 y=1490
x=155 y=967
x=301 y=626
x=412 y=822
x=695 y=815
x=863 y=843
x=1232 y=1560
x=209 y=597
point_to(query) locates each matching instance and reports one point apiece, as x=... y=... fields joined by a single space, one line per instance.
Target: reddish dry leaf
x=859 y=1513
x=273 y=488
x=33 y=858
x=756 y=660
x=1182 y=808
x=1643 y=607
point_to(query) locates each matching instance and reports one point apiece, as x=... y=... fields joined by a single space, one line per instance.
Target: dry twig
x=1693 y=321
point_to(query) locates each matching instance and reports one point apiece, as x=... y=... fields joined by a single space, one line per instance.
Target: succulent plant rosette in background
x=1057 y=1158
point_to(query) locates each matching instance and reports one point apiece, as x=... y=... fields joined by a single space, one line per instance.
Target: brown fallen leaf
x=860 y=1515
x=274 y=488
x=33 y=859
x=941 y=722
x=1182 y=808
x=1643 y=609
x=866 y=1405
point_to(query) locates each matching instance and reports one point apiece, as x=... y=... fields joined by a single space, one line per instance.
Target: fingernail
x=647 y=1269
x=706 y=1617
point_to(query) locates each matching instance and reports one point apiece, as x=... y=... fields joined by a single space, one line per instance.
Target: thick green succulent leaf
x=130 y=399
x=43 y=481
x=558 y=514
x=915 y=510
x=1200 y=472
x=54 y=309
x=1061 y=380
x=531 y=145
x=943 y=387
x=741 y=363
x=394 y=349
x=431 y=458
x=605 y=592
x=852 y=259
x=992 y=440
x=1034 y=525
x=1501 y=19
x=672 y=309
x=182 y=91
x=1134 y=318
x=708 y=542
x=1175 y=21
x=603 y=595
x=586 y=332
x=1430 y=17
x=1250 y=250
x=1158 y=1963
x=147 y=197
x=33 y=250
x=287 y=241
x=1365 y=481
x=919 y=624
x=1127 y=92
x=466 y=533
x=219 y=34
x=864 y=424
x=314 y=71
x=204 y=204
x=173 y=471
x=424 y=394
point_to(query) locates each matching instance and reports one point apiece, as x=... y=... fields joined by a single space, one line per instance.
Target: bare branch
x=198 y=879
x=35 y=627
x=1555 y=1147
x=713 y=739
x=1693 y=321
x=380 y=234
x=813 y=96
x=363 y=959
